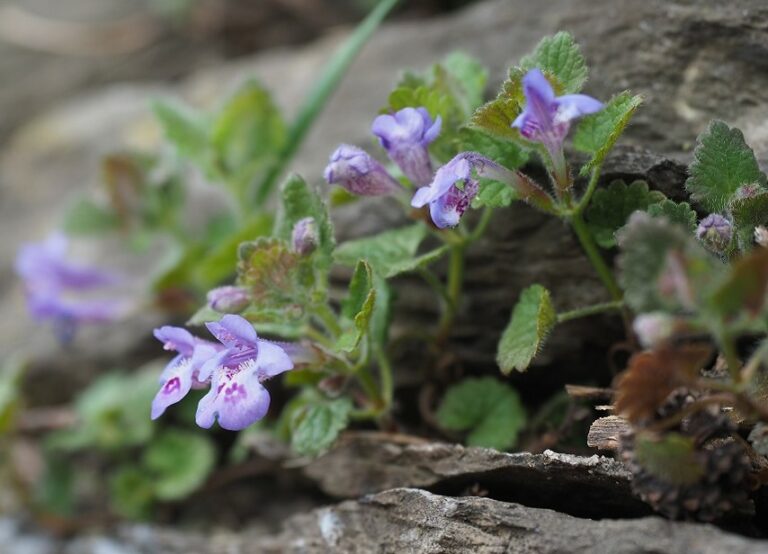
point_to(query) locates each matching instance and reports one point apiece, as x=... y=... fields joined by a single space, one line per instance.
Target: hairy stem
x=590 y=249
x=590 y=310
x=453 y=291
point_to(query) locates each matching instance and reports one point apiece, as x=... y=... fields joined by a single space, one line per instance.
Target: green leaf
x=748 y=212
x=357 y=307
x=503 y=152
x=496 y=117
x=11 y=373
x=743 y=292
x=389 y=253
x=491 y=410
x=722 y=162
x=85 y=217
x=610 y=208
x=179 y=462
x=646 y=245
x=559 y=57
x=671 y=458
x=247 y=132
x=597 y=133
x=493 y=194
x=382 y=312
x=131 y=492
x=269 y=268
x=532 y=320
x=300 y=200
x=56 y=489
x=185 y=128
x=680 y=213
x=468 y=78
x=314 y=427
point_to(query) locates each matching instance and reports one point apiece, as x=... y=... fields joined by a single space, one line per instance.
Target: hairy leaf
x=357 y=307
x=496 y=117
x=748 y=211
x=597 y=133
x=559 y=57
x=532 y=320
x=270 y=270
x=489 y=409
x=610 y=208
x=680 y=213
x=179 y=462
x=722 y=162
x=389 y=253
x=670 y=457
x=315 y=426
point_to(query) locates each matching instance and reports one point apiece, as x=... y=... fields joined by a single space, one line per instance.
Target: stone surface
x=363 y=463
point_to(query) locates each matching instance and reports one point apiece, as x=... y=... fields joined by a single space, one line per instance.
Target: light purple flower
x=546 y=117
x=183 y=372
x=406 y=135
x=715 y=231
x=448 y=202
x=304 y=237
x=237 y=397
x=355 y=170
x=63 y=291
x=228 y=299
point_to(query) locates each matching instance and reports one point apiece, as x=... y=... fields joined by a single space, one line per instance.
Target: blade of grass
x=319 y=96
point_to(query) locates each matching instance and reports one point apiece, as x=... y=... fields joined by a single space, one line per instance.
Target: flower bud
x=715 y=232
x=653 y=329
x=228 y=300
x=355 y=170
x=304 y=238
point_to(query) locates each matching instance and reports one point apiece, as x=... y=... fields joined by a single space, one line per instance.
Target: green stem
x=453 y=291
x=434 y=282
x=590 y=249
x=386 y=376
x=329 y=319
x=369 y=386
x=320 y=95
x=481 y=226
x=591 y=186
x=590 y=310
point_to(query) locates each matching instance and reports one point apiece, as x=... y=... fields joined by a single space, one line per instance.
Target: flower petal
x=571 y=106
x=176 y=338
x=233 y=331
x=176 y=382
x=237 y=399
x=272 y=360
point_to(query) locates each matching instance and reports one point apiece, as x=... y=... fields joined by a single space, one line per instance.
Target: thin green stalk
x=320 y=95
x=453 y=291
x=590 y=249
x=591 y=186
x=590 y=310
x=481 y=226
x=386 y=377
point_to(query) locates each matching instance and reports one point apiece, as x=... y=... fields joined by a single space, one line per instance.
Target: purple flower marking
x=715 y=231
x=546 y=117
x=406 y=135
x=355 y=170
x=183 y=372
x=62 y=291
x=237 y=397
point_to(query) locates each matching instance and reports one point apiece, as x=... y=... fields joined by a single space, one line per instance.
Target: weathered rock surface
x=364 y=463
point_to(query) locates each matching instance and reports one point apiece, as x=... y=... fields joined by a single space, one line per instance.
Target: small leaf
x=559 y=57
x=131 y=492
x=671 y=457
x=722 y=162
x=743 y=293
x=389 y=253
x=491 y=410
x=186 y=129
x=247 y=132
x=680 y=213
x=503 y=152
x=610 y=208
x=179 y=462
x=357 y=308
x=314 y=427
x=468 y=78
x=493 y=194
x=748 y=212
x=532 y=320
x=496 y=117
x=647 y=245
x=597 y=133
x=651 y=376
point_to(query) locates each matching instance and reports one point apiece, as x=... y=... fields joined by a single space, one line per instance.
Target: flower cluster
x=65 y=292
x=234 y=368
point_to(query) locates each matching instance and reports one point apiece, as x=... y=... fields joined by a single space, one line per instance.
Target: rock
x=363 y=463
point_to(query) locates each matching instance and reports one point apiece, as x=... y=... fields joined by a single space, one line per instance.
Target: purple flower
x=448 y=202
x=546 y=117
x=228 y=299
x=304 y=237
x=715 y=232
x=65 y=292
x=355 y=170
x=183 y=372
x=406 y=136
x=237 y=397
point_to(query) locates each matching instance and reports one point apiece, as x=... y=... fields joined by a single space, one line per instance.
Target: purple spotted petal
x=458 y=169
x=237 y=399
x=175 y=384
x=446 y=211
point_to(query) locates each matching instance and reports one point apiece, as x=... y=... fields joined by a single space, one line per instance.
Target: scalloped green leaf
x=611 y=206
x=503 y=152
x=748 y=212
x=178 y=462
x=532 y=320
x=315 y=425
x=490 y=410
x=496 y=117
x=559 y=57
x=597 y=133
x=722 y=163
x=676 y=212
x=389 y=253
